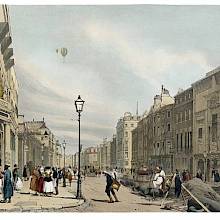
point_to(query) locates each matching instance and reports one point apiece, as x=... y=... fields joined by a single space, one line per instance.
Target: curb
x=38 y=209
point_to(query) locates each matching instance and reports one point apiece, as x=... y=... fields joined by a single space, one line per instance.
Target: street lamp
x=205 y=170
x=64 y=162
x=79 y=108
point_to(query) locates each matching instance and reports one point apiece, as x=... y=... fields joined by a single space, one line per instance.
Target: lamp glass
x=79 y=104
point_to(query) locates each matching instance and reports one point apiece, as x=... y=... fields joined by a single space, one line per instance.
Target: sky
x=117 y=55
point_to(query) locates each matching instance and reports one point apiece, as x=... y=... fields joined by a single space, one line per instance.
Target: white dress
x=48 y=186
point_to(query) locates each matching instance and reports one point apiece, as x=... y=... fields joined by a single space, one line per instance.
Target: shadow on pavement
x=100 y=200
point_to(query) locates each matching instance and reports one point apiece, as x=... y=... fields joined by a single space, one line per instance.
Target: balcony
x=5 y=110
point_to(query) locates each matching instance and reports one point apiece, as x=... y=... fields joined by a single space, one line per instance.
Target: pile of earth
x=204 y=193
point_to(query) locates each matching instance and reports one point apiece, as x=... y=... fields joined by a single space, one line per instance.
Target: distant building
x=113 y=161
x=124 y=130
x=37 y=144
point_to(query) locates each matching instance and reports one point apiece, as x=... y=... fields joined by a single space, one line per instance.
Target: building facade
x=124 y=130
x=183 y=130
x=206 y=123
x=37 y=144
x=8 y=95
x=152 y=140
x=113 y=162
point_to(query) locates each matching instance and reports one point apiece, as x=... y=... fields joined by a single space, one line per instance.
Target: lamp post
x=205 y=165
x=64 y=163
x=79 y=108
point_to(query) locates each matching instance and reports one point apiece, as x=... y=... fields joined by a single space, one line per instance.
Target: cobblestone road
x=94 y=191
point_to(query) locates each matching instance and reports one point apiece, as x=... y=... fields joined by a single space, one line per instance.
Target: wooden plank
x=195 y=198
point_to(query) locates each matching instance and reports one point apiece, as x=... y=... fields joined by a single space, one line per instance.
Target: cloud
x=149 y=63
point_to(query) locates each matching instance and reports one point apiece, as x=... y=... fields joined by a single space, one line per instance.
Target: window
x=126 y=155
x=186 y=115
x=126 y=125
x=185 y=140
x=189 y=114
x=168 y=114
x=168 y=127
x=214 y=127
x=126 y=134
x=154 y=130
x=181 y=117
x=189 y=95
x=200 y=133
x=177 y=142
x=177 y=118
x=132 y=125
x=181 y=141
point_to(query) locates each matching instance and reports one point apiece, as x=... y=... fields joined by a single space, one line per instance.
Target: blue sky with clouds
x=116 y=56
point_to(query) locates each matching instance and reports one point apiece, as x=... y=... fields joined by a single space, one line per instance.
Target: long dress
x=25 y=172
x=48 y=183
x=41 y=184
x=34 y=181
x=8 y=187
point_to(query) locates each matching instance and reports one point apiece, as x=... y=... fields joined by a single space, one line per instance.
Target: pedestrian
x=48 y=182
x=213 y=174
x=158 y=180
x=163 y=175
x=70 y=177
x=15 y=175
x=184 y=175
x=8 y=186
x=109 y=190
x=41 y=181
x=55 y=180
x=178 y=184
x=25 y=173
x=1 y=180
x=64 y=176
x=199 y=175
x=34 y=181
x=216 y=176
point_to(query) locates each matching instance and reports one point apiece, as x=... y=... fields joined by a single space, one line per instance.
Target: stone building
x=138 y=146
x=153 y=137
x=183 y=130
x=113 y=162
x=69 y=160
x=206 y=123
x=124 y=130
x=91 y=158
x=37 y=144
x=8 y=95
x=104 y=155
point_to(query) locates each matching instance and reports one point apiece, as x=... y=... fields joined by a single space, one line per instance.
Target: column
x=7 y=137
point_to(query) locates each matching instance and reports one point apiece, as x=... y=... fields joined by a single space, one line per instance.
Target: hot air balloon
x=63 y=51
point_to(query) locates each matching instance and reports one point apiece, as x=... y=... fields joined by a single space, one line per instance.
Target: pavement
x=26 y=201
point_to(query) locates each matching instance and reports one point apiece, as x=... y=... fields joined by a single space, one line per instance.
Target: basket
x=116 y=185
